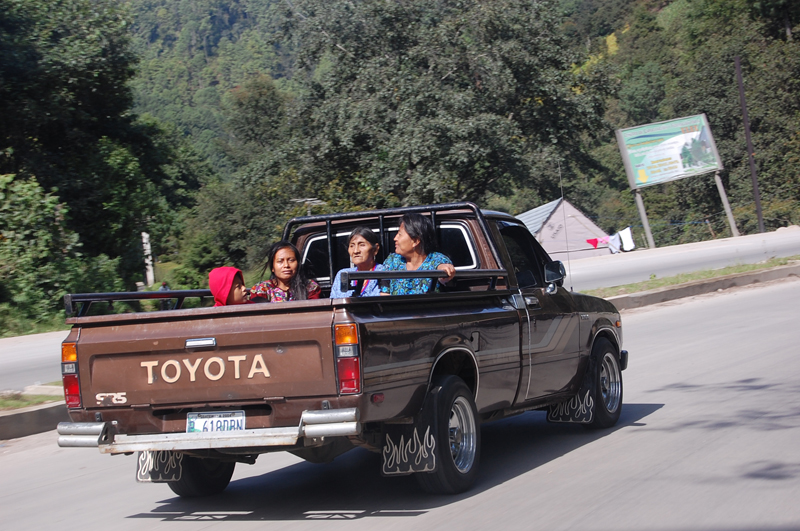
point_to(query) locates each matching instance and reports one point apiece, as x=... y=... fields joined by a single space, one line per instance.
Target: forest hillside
x=206 y=123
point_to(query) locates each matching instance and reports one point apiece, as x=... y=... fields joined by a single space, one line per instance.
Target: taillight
x=348 y=364
x=69 y=352
x=346 y=334
x=72 y=390
x=349 y=375
x=69 y=374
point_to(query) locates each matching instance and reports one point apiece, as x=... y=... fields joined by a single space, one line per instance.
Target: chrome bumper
x=313 y=424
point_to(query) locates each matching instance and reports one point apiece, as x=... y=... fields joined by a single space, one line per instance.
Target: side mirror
x=554 y=273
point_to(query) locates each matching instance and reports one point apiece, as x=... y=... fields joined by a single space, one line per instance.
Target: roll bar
x=347 y=276
x=398 y=211
x=86 y=299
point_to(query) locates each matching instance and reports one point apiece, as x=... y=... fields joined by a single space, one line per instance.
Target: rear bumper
x=313 y=424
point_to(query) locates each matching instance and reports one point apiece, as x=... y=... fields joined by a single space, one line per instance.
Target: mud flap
x=159 y=467
x=409 y=448
x=580 y=408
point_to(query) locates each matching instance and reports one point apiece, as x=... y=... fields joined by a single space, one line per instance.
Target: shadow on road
x=351 y=487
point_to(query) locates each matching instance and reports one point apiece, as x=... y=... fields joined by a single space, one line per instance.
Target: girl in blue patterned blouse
x=415 y=245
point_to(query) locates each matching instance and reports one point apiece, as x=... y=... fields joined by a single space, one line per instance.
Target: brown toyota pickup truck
x=195 y=390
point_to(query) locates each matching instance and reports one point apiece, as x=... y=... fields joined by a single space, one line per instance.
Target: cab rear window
x=454 y=241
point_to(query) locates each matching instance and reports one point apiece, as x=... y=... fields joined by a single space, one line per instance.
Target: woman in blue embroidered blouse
x=363 y=247
x=415 y=245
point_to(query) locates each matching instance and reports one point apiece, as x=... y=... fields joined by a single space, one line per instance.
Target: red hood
x=220 y=281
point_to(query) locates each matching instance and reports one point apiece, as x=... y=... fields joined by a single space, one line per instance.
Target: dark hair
x=299 y=283
x=420 y=228
x=365 y=233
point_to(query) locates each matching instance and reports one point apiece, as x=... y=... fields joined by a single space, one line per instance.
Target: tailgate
x=221 y=358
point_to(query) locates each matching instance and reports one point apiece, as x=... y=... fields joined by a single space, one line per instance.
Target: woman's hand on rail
x=449 y=269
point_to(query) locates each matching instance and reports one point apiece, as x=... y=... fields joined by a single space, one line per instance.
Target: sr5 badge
x=111 y=398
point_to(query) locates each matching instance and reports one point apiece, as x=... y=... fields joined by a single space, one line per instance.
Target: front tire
x=458 y=440
x=607 y=384
x=202 y=477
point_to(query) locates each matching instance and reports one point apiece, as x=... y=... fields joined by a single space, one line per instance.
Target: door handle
x=201 y=342
x=532 y=302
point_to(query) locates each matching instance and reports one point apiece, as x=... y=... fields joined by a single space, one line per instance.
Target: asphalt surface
x=707 y=440
x=639 y=265
x=30 y=360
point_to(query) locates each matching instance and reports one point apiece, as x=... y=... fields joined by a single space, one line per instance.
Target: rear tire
x=458 y=440
x=607 y=385
x=202 y=477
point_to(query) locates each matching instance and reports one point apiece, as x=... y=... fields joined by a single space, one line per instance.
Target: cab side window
x=521 y=248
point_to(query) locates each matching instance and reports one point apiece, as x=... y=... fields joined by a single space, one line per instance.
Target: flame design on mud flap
x=409 y=456
x=576 y=409
x=579 y=408
x=159 y=467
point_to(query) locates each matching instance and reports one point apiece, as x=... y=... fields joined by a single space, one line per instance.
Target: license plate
x=216 y=421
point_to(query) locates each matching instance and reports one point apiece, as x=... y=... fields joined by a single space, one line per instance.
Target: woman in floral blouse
x=289 y=282
x=415 y=245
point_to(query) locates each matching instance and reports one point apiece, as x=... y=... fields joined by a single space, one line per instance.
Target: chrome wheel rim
x=610 y=382
x=462 y=431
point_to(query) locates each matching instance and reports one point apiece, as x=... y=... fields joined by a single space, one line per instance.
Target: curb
x=31 y=420
x=45 y=417
x=699 y=287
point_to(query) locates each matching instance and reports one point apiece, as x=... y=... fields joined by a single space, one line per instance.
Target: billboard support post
x=724 y=197
x=642 y=214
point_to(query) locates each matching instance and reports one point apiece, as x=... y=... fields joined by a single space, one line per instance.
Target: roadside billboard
x=666 y=151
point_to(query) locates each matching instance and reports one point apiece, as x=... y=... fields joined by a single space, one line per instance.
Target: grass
x=163 y=271
x=16 y=400
x=655 y=283
x=13 y=323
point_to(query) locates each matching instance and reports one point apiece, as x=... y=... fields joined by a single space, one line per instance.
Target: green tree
x=771 y=69
x=677 y=59
x=432 y=102
x=67 y=123
x=192 y=52
x=257 y=117
x=40 y=258
x=781 y=15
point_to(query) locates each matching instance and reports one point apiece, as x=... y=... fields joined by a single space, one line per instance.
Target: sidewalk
x=45 y=417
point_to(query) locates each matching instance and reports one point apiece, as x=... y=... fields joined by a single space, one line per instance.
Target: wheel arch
x=607 y=333
x=457 y=361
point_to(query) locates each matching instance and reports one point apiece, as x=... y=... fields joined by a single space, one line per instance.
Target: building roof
x=534 y=219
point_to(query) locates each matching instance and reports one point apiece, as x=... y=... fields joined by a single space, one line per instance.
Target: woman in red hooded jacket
x=227 y=286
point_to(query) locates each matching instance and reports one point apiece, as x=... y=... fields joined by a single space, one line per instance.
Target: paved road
x=26 y=360
x=707 y=440
x=626 y=268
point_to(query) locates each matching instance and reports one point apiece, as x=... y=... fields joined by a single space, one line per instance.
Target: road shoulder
x=699 y=287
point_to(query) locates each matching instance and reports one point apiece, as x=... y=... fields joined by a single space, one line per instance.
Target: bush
x=40 y=259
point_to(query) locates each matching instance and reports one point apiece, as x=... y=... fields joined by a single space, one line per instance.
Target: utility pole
x=750 y=153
